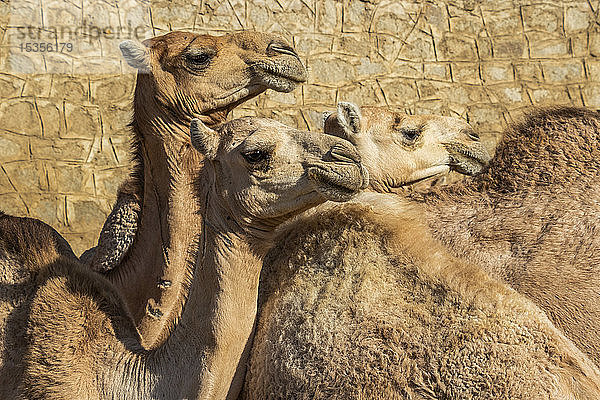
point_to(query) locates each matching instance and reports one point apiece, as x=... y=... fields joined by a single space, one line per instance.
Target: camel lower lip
x=276 y=72
x=333 y=186
x=249 y=88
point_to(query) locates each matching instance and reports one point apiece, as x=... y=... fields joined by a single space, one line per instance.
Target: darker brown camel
x=531 y=219
x=181 y=76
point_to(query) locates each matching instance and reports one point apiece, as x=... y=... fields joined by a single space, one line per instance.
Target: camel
x=181 y=75
x=402 y=150
x=359 y=301
x=76 y=337
x=530 y=219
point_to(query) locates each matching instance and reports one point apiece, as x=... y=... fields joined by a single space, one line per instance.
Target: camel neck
x=151 y=278
x=206 y=351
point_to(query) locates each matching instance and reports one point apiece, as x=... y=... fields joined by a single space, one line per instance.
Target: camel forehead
x=178 y=41
x=383 y=118
x=261 y=129
x=388 y=120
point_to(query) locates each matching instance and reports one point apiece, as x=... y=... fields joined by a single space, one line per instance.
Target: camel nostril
x=470 y=133
x=276 y=48
x=344 y=154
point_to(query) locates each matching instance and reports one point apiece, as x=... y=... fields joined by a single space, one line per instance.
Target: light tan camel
x=531 y=219
x=73 y=337
x=181 y=75
x=400 y=150
x=358 y=301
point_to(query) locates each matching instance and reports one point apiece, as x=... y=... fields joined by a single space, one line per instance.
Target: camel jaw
x=427 y=173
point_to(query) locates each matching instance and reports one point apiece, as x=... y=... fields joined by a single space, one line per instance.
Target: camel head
x=400 y=149
x=203 y=76
x=264 y=172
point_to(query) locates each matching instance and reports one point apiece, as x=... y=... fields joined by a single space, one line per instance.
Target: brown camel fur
x=531 y=219
x=75 y=337
x=358 y=301
x=181 y=75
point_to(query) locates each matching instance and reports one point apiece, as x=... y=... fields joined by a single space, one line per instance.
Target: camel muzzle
x=468 y=159
x=340 y=175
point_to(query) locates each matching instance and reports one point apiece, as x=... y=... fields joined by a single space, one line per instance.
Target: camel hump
x=31 y=242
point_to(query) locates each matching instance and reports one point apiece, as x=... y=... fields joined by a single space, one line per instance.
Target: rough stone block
x=465 y=73
x=315 y=94
x=357 y=16
x=594 y=42
x=278 y=99
x=503 y=22
x=73 y=179
x=579 y=44
x=353 y=44
x=38 y=85
x=47 y=207
x=419 y=47
x=328 y=16
x=27 y=176
x=407 y=70
x=563 y=71
x=466 y=24
x=308 y=44
x=549 y=95
x=13 y=147
x=81 y=122
x=19 y=115
x=52 y=118
x=529 y=71
x=72 y=89
x=577 y=17
x=543 y=17
x=13 y=204
x=82 y=214
x=452 y=47
x=511 y=47
x=591 y=95
x=437 y=71
x=593 y=70
x=485 y=117
x=331 y=70
x=399 y=93
x=552 y=48
x=52 y=149
x=107 y=181
x=362 y=93
x=10 y=86
x=510 y=94
x=497 y=72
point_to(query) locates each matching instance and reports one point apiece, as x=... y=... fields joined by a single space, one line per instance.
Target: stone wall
x=63 y=136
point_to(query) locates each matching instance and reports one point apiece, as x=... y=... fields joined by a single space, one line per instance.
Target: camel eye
x=255 y=156
x=410 y=134
x=198 y=59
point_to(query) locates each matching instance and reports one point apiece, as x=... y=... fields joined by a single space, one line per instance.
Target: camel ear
x=326 y=115
x=345 y=123
x=136 y=55
x=204 y=139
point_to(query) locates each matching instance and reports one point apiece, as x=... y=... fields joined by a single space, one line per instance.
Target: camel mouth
x=283 y=77
x=235 y=97
x=424 y=174
x=341 y=182
x=468 y=160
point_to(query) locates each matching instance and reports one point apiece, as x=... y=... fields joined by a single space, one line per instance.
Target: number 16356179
x=42 y=47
